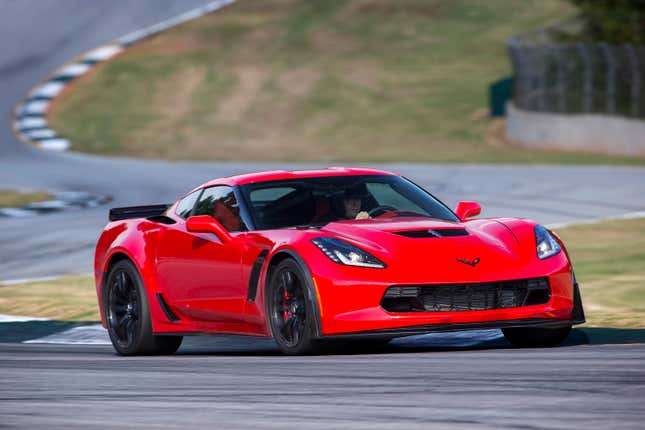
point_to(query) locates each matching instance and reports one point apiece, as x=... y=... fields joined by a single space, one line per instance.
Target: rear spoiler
x=117 y=214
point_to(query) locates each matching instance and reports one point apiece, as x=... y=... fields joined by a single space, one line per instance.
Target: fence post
x=519 y=75
x=636 y=79
x=611 y=78
x=540 y=54
x=587 y=85
x=560 y=85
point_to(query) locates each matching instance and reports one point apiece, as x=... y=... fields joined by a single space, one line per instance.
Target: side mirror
x=208 y=224
x=467 y=209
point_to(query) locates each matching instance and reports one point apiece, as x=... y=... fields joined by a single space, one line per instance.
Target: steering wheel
x=381 y=210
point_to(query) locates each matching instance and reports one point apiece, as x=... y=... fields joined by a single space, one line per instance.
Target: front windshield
x=319 y=200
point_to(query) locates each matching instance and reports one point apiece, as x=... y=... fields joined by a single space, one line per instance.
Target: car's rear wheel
x=290 y=311
x=536 y=337
x=127 y=314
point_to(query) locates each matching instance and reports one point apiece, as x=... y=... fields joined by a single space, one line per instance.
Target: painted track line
x=18 y=318
x=628 y=215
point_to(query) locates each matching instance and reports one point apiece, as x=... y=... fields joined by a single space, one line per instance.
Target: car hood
x=469 y=251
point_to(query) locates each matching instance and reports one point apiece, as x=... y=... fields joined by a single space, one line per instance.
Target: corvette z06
x=307 y=257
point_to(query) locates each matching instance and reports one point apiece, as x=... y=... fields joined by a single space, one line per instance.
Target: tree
x=614 y=21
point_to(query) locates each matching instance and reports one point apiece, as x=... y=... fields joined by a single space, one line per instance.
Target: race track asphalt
x=242 y=383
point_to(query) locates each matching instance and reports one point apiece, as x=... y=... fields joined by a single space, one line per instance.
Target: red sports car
x=316 y=255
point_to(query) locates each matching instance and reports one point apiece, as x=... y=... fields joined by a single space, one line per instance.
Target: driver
x=352 y=202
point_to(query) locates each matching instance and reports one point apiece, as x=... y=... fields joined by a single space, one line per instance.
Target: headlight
x=545 y=243
x=345 y=253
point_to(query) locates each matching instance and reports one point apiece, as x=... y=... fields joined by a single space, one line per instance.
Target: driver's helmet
x=358 y=191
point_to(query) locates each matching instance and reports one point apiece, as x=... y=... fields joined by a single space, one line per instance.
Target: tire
x=535 y=337
x=127 y=314
x=290 y=311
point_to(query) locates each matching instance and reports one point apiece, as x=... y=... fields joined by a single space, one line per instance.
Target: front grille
x=466 y=297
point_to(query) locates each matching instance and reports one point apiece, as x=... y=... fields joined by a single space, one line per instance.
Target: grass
x=609 y=259
x=322 y=80
x=14 y=199
x=71 y=298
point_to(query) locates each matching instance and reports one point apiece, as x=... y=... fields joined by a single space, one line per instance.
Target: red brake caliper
x=285 y=305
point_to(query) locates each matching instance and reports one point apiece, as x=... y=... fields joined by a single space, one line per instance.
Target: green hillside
x=341 y=80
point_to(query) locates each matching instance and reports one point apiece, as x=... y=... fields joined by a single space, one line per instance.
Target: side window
x=220 y=203
x=185 y=206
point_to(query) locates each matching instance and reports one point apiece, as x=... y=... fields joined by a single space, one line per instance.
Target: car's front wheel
x=536 y=337
x=290 y=311
x=127 y=314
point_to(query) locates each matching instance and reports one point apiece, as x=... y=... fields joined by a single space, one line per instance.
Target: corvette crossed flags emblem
x=472 y=263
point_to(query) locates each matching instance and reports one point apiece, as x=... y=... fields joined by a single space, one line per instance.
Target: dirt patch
x=495 y=134
x=298 y=82
x=330 y=43
x=171 y=105
x=180 y=43
x=239 y=99
x=424 y=8
x=174 y=98
x=366 y=74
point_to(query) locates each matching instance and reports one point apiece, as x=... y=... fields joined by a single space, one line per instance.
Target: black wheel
x=290 y=312
x=535 y=337
x=127 y=314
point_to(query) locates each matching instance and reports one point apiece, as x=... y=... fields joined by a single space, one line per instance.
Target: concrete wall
x=588 y=132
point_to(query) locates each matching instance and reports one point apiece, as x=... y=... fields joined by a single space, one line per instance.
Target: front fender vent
x=433 y=233
x=166 y=309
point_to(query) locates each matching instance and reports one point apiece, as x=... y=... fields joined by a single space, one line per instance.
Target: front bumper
x=349 y=308
x=436 y=328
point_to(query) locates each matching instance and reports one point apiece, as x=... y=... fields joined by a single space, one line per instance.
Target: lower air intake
x=466 y=297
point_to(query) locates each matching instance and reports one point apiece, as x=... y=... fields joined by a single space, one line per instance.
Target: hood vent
x=433 y=233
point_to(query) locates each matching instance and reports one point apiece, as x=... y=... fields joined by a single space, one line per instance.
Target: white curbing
x=628 y=215
x=15 y=212
x=40 y=133
x=18 y=318
x=103 y=53
x=30 y=123
x=55 y=144
x=38 y=107
x=6 y=282
x=47 y=90
x=73 y=70
x=84 y=335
